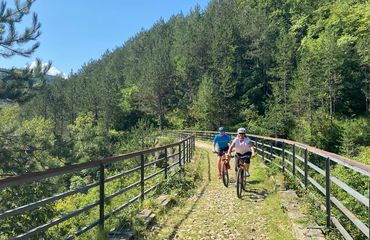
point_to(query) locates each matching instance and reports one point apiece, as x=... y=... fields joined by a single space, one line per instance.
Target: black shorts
x=246 y=158
x=221 y=151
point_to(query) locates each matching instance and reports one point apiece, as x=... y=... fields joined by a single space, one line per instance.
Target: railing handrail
x=266 y=151
x=357 y=166
x=184 y=153
x=29 y=177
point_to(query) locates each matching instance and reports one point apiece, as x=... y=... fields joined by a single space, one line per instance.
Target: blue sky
x=75 y=31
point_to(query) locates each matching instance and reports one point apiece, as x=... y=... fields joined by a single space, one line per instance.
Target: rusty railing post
x=165 y=163
x=188 y=149
x=101 y=196
x=327 y=192
x=271 y=154
x=305 y=168
x=142 y=177
x=194 y=145
x=180 y=154
x=191 y=147
x=283 y=158
x=293 y=159
x=184 y=152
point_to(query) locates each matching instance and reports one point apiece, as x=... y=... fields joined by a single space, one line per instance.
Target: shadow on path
x=198 y=197
x=176 y=227
x=255 y=195
x=254 y=181
x=209 y=168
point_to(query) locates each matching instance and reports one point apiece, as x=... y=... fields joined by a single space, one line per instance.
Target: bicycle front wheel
x=239 y=183
x=225 y=174
x=244 y=177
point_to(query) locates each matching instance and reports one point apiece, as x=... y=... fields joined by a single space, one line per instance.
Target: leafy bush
x=183 y=182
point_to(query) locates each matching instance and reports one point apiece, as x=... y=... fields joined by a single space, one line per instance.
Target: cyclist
x=222 y=141
x=244 y=150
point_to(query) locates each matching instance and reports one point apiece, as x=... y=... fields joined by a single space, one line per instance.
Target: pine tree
x=19 y=84
x=206 y=106
x=10 y=40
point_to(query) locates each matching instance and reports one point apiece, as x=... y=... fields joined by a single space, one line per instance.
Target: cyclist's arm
x=214 y=144
x=231 y=148
x=252 y=148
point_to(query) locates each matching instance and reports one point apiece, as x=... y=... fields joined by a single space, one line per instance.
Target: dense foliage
x=295 y=69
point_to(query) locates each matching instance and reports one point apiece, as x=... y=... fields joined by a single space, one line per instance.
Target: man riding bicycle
x=244 y=150
x=222 y=141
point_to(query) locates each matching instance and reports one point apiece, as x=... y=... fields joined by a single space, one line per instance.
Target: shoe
x=219 y=176
x=247 y=174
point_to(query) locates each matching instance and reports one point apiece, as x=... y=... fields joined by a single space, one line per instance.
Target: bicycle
x=241 y=178
x=225 y=166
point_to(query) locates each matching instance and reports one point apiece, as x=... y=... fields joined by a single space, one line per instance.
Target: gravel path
x=215 y=212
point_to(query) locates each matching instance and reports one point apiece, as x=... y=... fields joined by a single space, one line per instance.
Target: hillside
x=293 y=69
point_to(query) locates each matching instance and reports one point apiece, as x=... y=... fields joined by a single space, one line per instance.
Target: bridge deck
x=216 y=213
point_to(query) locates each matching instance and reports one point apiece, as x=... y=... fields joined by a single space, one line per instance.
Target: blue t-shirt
x=222 y=141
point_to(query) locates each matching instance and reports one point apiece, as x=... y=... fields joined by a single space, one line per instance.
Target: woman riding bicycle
x=244 y=150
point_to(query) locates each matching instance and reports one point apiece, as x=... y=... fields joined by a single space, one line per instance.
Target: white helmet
x=241 y=131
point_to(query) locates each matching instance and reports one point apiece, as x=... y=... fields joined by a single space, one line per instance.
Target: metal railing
x=183 y=151
x=284 y=154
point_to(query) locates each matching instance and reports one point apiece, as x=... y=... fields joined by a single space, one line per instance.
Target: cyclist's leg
x=219 y=161
x=236 y=165
x=247 y=162
x=227 y=156
x=219 y=165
